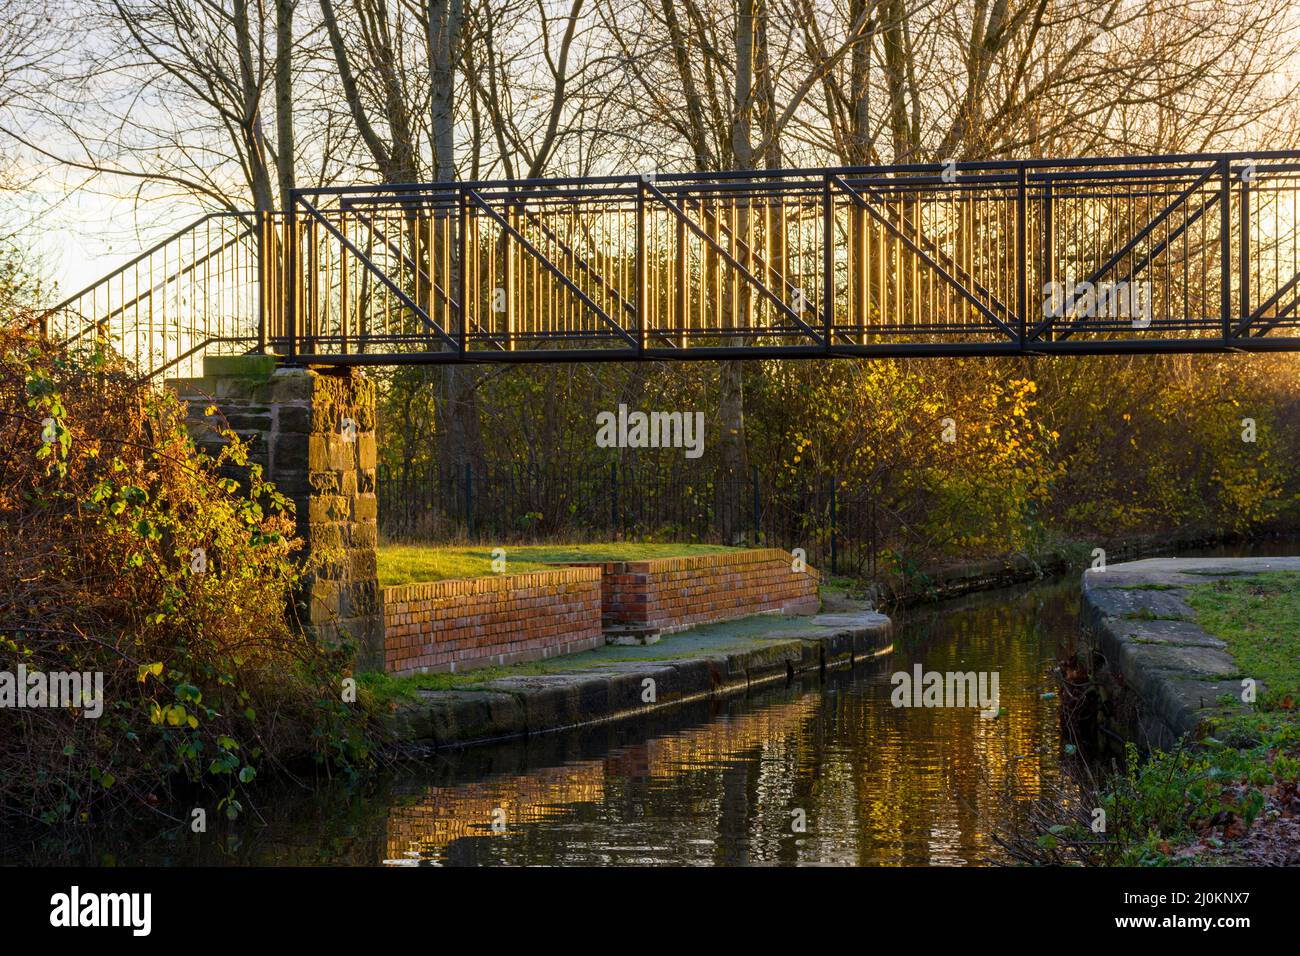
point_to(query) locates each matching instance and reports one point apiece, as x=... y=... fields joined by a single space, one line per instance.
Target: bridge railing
x=1107 y=255
x=204 y=289
x=1161 y=253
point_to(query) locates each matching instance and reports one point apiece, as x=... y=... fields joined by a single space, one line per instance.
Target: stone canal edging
x=527 y=705
x=1162 y=675
x=970 y=577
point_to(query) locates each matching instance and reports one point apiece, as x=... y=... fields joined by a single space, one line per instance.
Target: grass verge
x=411 y=564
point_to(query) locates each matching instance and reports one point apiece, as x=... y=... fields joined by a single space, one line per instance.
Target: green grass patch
x=411 y=564
x=1146 y=614
x=387 y=688
x=1258 y=617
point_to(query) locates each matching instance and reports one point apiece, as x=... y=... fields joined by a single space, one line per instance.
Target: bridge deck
x=1139 y=254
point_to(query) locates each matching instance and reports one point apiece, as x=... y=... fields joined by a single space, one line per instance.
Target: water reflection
x=876 y=784
x=713 y=783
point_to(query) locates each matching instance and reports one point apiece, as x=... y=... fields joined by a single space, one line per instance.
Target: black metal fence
x=839 y=529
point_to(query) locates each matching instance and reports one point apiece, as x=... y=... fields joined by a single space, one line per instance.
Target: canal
x=819 y=771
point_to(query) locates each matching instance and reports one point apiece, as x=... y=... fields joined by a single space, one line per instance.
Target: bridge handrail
x=756 y=176
x=156 y=247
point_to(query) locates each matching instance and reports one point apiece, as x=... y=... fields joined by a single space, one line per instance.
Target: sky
x=79 y=231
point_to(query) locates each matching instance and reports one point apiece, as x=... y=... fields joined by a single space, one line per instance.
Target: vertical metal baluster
x=683 y=289
x=463 y=338
x=828 y=264
x=291 y=273
x=1243 y=251
x=1225 y=248
x=1022 y=251
x=1049 y=245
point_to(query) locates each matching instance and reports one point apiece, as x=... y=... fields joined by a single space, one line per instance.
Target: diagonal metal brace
x=402 y=297
x=547 y=264
x=952 y=265
x=1128 y=247
x=418 y=269
x=1156 y=250
x=731 y=261
x=1274 y=320
x=925 y=257
x=1273 y=300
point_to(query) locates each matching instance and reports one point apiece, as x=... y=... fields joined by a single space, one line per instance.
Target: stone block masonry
x=313 y=433
x=460 y=624
x=1159 y=676
x=664 y=595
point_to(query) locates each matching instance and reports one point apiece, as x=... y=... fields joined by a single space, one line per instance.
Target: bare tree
x=166 y=93
x=706 y=74
x=931 y=80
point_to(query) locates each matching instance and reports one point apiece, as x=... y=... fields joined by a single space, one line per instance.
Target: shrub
x=127 y=552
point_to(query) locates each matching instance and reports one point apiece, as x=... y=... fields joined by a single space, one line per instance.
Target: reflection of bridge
x=1151 y=254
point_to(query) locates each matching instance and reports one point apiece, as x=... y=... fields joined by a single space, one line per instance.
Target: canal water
x=818 y=771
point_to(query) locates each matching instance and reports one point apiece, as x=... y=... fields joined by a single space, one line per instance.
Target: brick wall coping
x=457 y=587
x=689 y=562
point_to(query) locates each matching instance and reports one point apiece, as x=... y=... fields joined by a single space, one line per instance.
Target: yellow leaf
x=146 y=669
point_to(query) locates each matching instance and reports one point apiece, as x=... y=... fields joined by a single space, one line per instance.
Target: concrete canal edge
x=522 y=706
x=1162 y=676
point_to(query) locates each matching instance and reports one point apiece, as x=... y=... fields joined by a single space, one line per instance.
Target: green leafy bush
x=128 y=553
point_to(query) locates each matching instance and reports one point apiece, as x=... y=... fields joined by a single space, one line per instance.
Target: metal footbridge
x=1178 y=253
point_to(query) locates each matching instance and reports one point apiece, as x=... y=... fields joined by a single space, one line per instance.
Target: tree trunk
x=731 y=381
x=284 y=97
x=460 y=438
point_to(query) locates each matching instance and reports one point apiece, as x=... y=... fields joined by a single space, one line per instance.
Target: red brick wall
x=456 y=625
x=670 y=594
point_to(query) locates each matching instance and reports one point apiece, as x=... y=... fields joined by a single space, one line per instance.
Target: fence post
x=469 y=501
x=291 y=273
x=754 y=482
x=873 y=537
x=835 y=557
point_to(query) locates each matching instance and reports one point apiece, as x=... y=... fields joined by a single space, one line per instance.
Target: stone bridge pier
x=313 y=432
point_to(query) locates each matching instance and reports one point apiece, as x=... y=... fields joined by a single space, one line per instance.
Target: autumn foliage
x=126 y=552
